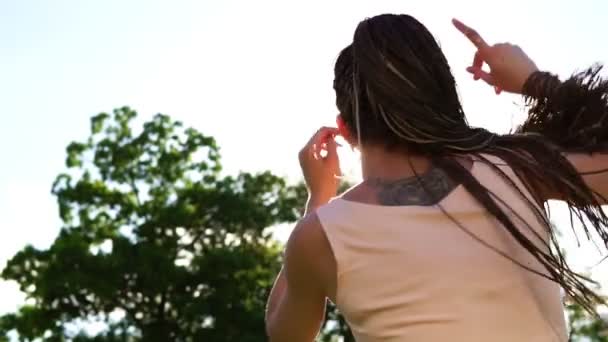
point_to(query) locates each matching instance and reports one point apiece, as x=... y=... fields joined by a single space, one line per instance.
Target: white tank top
x=409 y=273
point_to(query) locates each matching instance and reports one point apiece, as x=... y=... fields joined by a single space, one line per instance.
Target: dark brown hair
x=394 y=88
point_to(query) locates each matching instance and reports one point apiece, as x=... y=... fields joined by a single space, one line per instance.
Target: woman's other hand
x=320 y=166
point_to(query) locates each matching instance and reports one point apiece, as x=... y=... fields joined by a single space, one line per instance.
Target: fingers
x=478 y=73
x=471 y=34
x=322 y=134
x=317 y=142
x=332 y=149
x=332 y=156
x=478 y=60
x=477 y=64
x=487 y=77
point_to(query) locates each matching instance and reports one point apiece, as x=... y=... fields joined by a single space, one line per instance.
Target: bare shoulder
x=307 y=230
x=307 y=241
x=309 y=255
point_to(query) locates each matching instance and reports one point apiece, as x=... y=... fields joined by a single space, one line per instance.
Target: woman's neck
x=378 y=163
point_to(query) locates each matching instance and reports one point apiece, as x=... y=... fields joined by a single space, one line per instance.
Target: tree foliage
x=155 y=242
x=584 y=327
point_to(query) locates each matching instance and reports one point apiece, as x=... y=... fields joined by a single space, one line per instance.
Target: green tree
x=584 y=327
x=155 y=242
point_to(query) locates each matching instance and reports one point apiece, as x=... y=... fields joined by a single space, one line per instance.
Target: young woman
x=447 y=237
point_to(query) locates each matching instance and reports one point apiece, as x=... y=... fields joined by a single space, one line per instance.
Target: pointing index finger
x=470 y=33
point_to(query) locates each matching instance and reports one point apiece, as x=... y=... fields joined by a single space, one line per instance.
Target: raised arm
x=572 y=114
x=296 y=304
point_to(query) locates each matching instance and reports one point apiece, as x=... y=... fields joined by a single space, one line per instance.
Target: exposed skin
x=308 y=278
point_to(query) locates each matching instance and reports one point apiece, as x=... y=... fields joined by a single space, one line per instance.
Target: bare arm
x=296 y=307
x=573 y=115
x=594 y=170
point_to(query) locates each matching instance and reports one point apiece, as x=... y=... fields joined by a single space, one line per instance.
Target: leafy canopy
x=155 y=242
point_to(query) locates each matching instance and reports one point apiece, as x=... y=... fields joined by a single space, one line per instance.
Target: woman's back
x=415 y=273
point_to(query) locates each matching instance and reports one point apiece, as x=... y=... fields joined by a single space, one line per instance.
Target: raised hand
x=509 y=66
x=320 y=165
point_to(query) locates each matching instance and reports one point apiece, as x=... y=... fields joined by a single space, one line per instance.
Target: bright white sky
x=255 y=74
